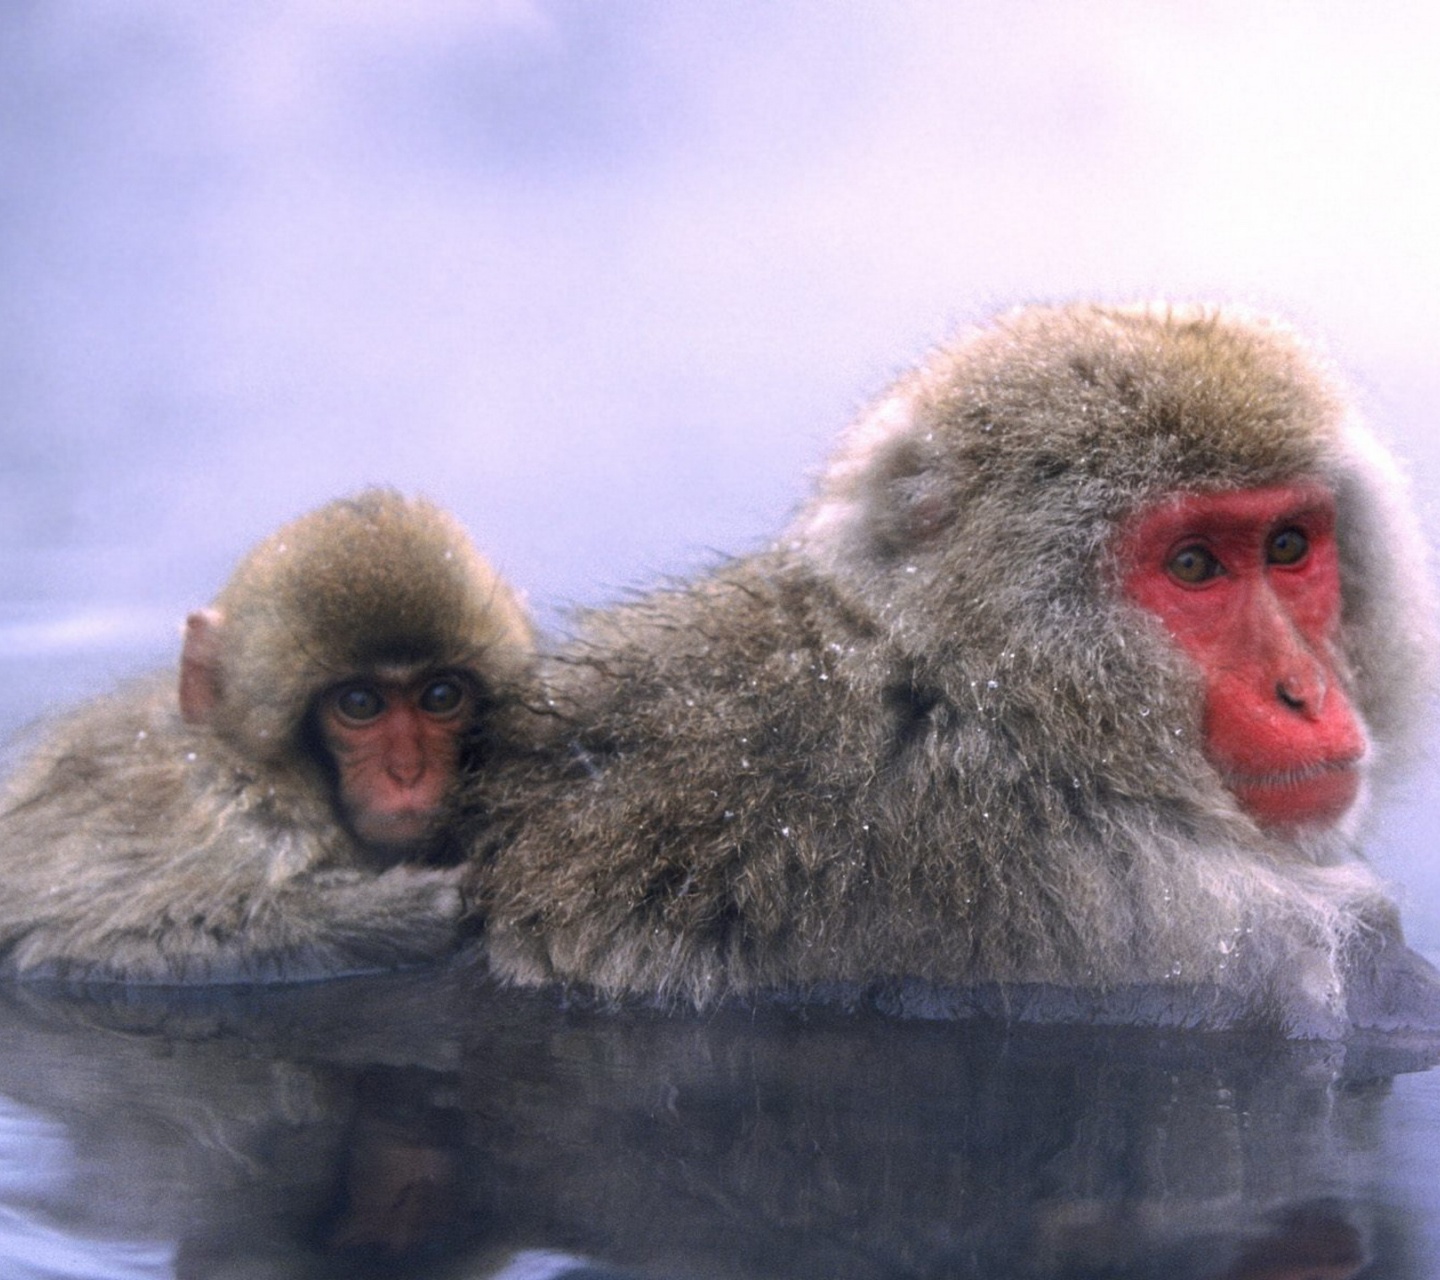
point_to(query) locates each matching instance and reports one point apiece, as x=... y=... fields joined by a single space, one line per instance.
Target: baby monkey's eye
x=1193 y=565
x=358 y=704
x=1288 y=546
x=443 y=697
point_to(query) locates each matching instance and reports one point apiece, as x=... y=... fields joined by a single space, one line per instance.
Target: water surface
x=428 y=1123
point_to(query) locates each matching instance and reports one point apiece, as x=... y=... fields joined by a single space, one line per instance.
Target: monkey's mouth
x=396 y=828
x=1313 y=795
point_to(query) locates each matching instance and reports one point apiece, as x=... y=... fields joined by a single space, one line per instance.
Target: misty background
x=607 y=278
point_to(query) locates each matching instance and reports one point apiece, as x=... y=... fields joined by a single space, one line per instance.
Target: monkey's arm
x=239 y=928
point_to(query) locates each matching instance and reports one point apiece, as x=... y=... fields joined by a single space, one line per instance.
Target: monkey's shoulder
x=102 y=749
x=128 y=757
x=121 y=792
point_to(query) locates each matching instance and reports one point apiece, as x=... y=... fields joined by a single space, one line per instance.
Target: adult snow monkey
x=1067 y=691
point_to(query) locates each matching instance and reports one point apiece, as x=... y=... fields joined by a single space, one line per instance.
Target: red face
x=1248 y=584
x=396 y=747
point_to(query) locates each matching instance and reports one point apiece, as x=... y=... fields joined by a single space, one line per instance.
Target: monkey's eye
x=442 y=697
x=358 y=704
x=1193 y=565
x=1287 y=547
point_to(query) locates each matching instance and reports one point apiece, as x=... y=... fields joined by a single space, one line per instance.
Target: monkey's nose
x=407 y=772
x=1302 y=694
x=404 y=759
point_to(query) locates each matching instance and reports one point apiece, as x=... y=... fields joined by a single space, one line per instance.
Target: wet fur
x=922 y=738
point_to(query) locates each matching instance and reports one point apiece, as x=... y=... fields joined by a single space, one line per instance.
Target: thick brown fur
x=136 y=846
x=923 y=740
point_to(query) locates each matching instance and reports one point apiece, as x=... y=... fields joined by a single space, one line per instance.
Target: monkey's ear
x=200 y=666
x=912 y=504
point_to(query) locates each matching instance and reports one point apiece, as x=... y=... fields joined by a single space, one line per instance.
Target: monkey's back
x=749 y=786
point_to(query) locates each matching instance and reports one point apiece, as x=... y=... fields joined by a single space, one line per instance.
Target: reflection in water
x=429 y=1124
x=34 y=1164
x=400 y=1188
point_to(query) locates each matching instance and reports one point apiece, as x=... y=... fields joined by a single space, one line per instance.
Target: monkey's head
x=359 y=643
x=1160 y=514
